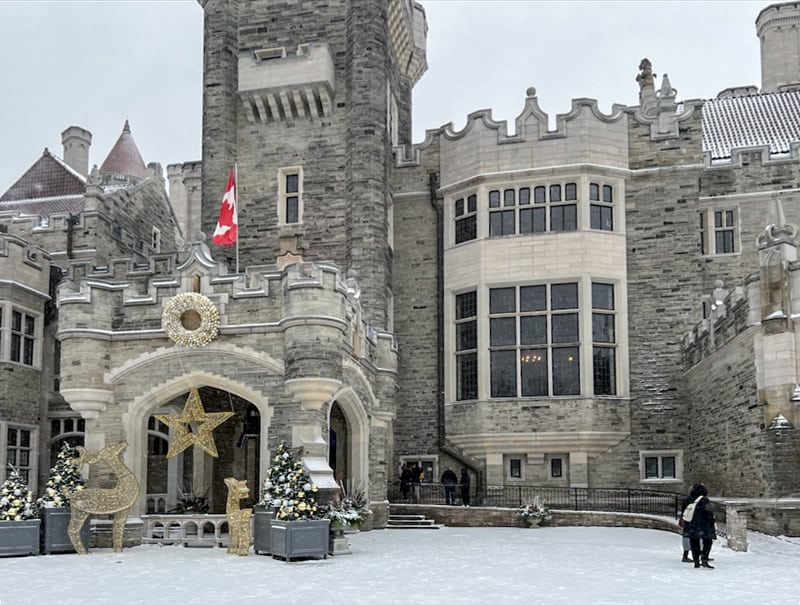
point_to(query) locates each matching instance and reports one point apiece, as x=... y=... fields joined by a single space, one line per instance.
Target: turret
x=778 y=28
x=76 y=142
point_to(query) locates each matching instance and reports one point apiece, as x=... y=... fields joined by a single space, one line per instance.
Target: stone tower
x=778 y=27
x=308 y=99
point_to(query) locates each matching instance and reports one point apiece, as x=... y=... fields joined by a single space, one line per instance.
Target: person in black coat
x=702 y=527
x=465 y=486
x=687 y=546
x=449 y=480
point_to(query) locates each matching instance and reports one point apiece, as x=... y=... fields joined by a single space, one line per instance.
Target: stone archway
x=348 y=420
x=172 y=394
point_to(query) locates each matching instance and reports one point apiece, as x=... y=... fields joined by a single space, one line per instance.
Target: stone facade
x=610 y=303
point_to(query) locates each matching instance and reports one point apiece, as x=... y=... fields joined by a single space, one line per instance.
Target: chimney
x=76 y=142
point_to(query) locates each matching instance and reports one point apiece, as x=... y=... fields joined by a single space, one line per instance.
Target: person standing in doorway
x=449 y=481
x=464 y=486
x=405 y=481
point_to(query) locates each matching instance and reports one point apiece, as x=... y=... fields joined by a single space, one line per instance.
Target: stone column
x=736 y=517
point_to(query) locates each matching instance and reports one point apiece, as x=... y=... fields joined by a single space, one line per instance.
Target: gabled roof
x=770 y=119
x=46 y=206
x=48 y=177
x=124 y=158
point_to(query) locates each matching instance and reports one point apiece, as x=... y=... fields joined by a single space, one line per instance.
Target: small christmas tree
x=289 y=488
x=16 y=500
x=65 y=479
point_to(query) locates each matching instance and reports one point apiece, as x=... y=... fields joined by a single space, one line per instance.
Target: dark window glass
x=515 y=468
x=602 y=327
x=565 y=327
x=570 y=192
x=555 y=193
x=604 y=371
x=466 y=229
x=594 y=192
x=509 y=196
x=602 y=296
x=566 y=371
x=494 y=199
x=668 y=467
x=564 y=218
x=504 y=373
x=650 y=467
x=608 y=195
x=69 y=425
x=466 y=305
x=466 y=336
x=602 y=217
x=292 y=207
x=502 y=300
x=501 y=223
x=533 y=364
x=503 y=331
x=539 y=217
x=292 y=182
x=524 y=196
x=532 y=298
x=526 y=220
x=556 y=469
x=467 y=376
x=724 y=241
x=539 y=195
x=472 y=203
x=533 y=330
x=564 y=296
x=459 y=207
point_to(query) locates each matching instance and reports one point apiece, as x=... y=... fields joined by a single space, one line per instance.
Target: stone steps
x=411 y=522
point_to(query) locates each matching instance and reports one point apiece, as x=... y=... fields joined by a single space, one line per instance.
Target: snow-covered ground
x=570 y=565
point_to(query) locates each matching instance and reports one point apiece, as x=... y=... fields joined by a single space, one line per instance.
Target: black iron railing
x=569 y=498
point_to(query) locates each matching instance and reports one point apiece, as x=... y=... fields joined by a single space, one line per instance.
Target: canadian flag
x=228 y=223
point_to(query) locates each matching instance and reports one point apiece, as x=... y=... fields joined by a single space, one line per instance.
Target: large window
x=20 y=447
x=290 y=196
x=534 y=340
x=23 y=337
x=604 y=339
x=718 y=231
x=466 y=219
x=466 y=346
x=601 y=209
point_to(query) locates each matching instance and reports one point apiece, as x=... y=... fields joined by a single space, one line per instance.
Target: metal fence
x=569 y=498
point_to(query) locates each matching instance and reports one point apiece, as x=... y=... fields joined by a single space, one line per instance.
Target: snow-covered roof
x=770 y=119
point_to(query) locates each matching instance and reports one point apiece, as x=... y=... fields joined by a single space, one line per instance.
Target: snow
x=548 y=565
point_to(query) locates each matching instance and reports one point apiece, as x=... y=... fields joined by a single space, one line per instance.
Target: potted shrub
x=534 y=513
x=64 y=481
x=298 y=528
x=19 y=522
x=348 y=512
x=269 y=502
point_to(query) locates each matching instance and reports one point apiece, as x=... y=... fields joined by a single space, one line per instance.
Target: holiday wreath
x=191 y=319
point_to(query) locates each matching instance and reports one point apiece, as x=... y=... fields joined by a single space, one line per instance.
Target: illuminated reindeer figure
x=238 y=518
x=115 y=501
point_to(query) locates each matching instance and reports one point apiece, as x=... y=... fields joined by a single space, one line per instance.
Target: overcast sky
x=96 y=64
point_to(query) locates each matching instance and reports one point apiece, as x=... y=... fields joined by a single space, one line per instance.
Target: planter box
x=262 y=528
x=55 y=522
x=19 y=538
x=294 y=539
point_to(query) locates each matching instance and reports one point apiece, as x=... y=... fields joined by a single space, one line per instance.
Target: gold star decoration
x=193 y=426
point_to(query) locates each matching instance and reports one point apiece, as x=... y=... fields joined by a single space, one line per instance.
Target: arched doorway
x=338 y=444
x=193 y=480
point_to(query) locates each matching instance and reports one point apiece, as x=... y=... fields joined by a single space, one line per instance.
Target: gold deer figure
x=238 y=518
x=115 y=501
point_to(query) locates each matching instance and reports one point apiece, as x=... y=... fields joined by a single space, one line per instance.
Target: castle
x=610 y=303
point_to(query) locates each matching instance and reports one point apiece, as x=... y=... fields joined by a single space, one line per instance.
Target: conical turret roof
x=124 y=158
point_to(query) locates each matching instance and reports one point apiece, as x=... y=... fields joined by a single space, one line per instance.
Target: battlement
x=729 y=316
x=24 y=264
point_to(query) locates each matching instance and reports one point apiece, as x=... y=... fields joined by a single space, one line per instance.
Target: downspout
x=72 y=220
x=444 y=446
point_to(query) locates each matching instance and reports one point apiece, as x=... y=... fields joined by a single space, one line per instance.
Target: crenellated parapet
x=729 y=316
x=308 y=314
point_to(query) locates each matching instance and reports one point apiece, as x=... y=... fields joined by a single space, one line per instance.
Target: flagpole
x=236 y=189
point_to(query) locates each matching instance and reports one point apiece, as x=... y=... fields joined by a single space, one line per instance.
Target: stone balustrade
x=189 y=530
